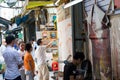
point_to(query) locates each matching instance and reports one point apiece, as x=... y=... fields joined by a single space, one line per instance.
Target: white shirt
x=40 y=55
x=22 y=53
x=34 y=46
x=12 y=60
x=2 y=48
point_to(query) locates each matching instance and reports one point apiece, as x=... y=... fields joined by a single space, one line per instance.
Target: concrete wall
x=64 y=34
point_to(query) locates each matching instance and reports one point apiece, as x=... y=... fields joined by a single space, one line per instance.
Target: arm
x=3 y=69
x=49 y=43
x=18 y=59
x=72 y=77
x=32 y=65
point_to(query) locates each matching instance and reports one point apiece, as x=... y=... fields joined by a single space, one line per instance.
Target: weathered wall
x=115 y=45
x=64 y=34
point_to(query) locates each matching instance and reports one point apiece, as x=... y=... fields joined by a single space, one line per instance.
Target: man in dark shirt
x=70 y=68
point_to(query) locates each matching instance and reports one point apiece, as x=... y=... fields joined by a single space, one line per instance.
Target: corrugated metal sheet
x=103 y=4
x=5 y=22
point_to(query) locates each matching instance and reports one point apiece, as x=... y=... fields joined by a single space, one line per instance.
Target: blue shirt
x=12 y=60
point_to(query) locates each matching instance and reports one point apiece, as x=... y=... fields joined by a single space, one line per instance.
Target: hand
x=33 y=74
x=79 y=77
x=20 y=65
x=1 y=71
x=36 y=72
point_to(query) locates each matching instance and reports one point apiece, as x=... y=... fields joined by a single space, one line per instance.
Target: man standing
x=40 y=58
x=12 y=59
x=2 y=48
x=70 y=68
x=22 y=53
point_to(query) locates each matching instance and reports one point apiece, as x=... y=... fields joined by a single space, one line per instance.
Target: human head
x=16 y=41
x=39 y=41
x=10 y=40
x=78 y=57
x=28 y=47
x=22 y=45
x=32 y=40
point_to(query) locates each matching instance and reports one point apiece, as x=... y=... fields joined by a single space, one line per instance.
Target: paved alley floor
x=51 y=74
x=1 y=77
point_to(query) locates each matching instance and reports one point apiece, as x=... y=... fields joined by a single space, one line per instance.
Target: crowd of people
x=20 y=63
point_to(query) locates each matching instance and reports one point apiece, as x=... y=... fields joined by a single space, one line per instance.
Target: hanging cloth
x=99 y=39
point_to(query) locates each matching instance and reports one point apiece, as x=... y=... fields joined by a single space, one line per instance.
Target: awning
x=19 y=20
x=14 y=30
x=2 y=27
x=5 y=22
x=34 y=4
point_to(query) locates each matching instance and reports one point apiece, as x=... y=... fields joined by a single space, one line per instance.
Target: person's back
x=87 y=68
x=29 y=64
x=12 y=60
x=69 y=68
x=11 y=63
x=40 y=55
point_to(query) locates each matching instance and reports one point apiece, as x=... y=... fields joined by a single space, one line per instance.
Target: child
x=29 y=64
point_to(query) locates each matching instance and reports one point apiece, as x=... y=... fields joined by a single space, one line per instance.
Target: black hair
x=39 y=41
x=33 y=39
x=28 y=46
x=79 y=55
x=9 y=39
x=21 y=42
